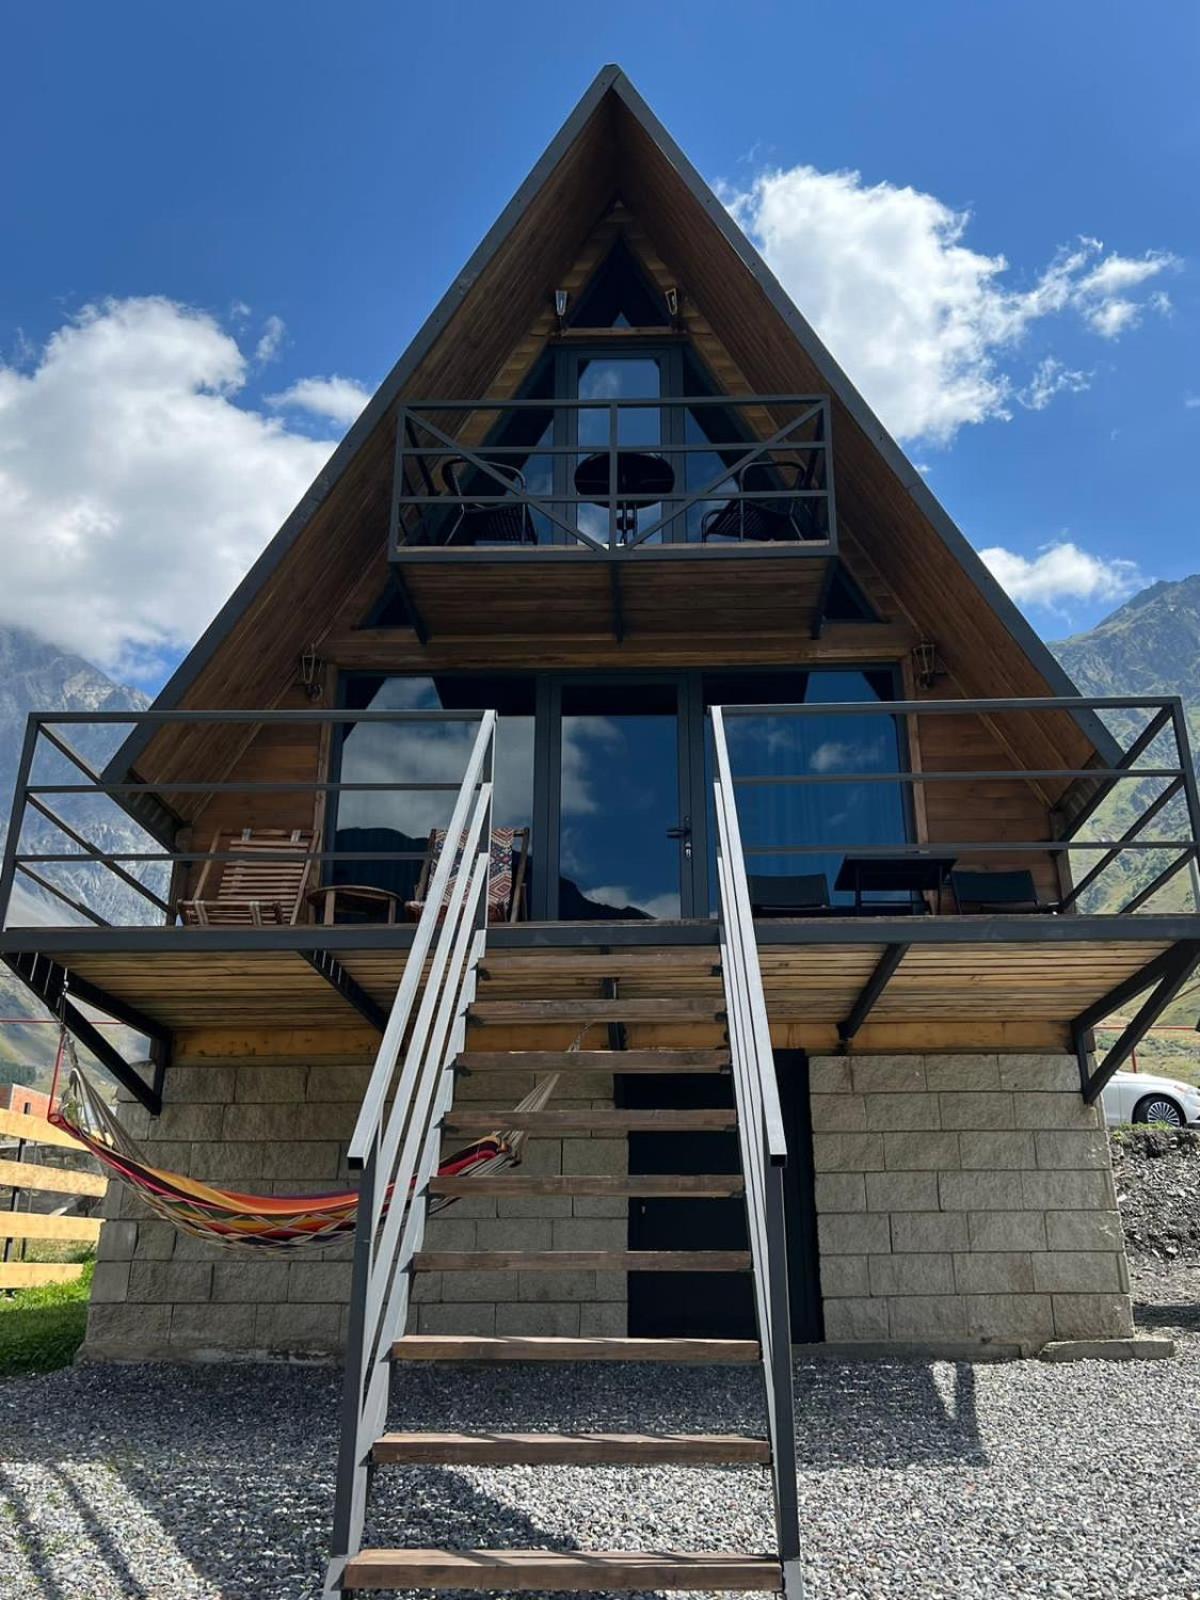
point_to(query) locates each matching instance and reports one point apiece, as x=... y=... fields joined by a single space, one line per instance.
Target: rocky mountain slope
x=1150 y=645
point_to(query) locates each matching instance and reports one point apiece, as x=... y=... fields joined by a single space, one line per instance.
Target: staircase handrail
x=397 y=1135
x=764 y=1153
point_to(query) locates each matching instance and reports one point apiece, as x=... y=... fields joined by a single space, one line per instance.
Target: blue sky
x=251 y=197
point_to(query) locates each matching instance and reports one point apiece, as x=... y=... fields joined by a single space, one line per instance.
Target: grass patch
x=41 y=1329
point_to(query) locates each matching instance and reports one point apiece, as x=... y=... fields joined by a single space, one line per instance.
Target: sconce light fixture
x=311 y=667
x=561 y=300
x=926 y=667
x=672 y=299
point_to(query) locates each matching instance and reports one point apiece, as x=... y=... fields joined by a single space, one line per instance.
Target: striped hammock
x=249 y=1223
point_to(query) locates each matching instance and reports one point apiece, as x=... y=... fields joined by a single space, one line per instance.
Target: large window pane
x=425 y=752
x=836 y=814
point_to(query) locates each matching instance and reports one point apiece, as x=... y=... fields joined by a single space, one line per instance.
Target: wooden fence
x=22 y=1176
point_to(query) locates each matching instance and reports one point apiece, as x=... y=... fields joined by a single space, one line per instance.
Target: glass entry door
x=623 y=811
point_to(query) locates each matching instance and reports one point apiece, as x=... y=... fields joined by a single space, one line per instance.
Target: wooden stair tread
x=519 y=1571
x=565 y=1449
x=638 y=1010
x=582 y=1261
x=587 y=1120
x=654 y=1185
x=540 y=1347
x=665 y=1060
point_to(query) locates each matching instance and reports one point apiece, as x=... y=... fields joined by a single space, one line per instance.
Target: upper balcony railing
x=614 y=476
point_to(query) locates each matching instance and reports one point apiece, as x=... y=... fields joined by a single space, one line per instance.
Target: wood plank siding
x=614 y=174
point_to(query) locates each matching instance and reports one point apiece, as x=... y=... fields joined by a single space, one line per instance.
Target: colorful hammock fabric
x=249 y=1223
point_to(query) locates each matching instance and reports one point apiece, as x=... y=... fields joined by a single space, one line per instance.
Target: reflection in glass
x=426 y=752
x=638 y=427
x=838 y=814
x=619 y=796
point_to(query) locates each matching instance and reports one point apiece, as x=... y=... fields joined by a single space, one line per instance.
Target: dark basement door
x=703 y=1304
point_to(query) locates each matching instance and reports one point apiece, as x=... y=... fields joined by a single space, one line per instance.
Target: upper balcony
x=603 y=512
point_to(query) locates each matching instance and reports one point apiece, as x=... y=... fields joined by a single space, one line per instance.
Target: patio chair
x=784 y=518
x=803 y=895
x=1012 y=891
x=265 y=891
x=506 y=886
x=504 y=522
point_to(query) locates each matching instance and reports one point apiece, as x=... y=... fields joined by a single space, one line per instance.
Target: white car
x=1144 y=1097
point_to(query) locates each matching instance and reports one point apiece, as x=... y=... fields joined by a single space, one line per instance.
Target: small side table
x=362 y=897
x=916 y=876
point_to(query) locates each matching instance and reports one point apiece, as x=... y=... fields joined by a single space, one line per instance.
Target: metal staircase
x=408 y=1108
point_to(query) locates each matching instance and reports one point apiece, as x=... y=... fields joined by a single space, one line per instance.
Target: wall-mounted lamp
x=311 y=670
x=926 y=667
x=671 y=296
x=561 y=300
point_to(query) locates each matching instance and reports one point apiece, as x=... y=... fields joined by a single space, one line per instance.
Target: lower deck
x=874 y=983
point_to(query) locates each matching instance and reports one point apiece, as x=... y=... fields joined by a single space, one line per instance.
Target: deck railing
x=604 y=475
x=1149 y=749
x=74 y=840
x=105 y=860
x=764 y=1155
x=396 y=1140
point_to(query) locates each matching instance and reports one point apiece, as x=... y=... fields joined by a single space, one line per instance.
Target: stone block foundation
x=282 y=1128
x=958 y=1198
x=964 y=1197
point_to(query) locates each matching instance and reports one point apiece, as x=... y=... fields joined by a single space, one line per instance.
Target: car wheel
x=1158 y=1108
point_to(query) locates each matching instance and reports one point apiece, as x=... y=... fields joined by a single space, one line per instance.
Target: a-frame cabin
x=797 y=877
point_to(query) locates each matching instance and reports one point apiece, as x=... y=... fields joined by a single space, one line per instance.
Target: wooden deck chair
x=506 y=886
x=265 y=891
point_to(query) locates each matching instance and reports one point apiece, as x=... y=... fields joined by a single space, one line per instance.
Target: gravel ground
x=935 y=1480
x=1157 y=1172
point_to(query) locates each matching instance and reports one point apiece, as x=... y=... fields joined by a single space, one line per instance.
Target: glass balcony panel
x=839 y=815
x=426 y=752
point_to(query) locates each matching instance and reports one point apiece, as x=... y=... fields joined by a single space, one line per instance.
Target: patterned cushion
x=500 y=878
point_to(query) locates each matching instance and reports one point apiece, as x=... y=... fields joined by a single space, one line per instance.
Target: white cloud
x=339 y=399
x=926 y=326
x=1192 y=401
x=1050 y=377
x=839 y=755
x=270 y=340
x=1062 y=572
x=134 y=490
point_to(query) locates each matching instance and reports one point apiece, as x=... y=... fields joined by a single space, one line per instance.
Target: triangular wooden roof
x=612 y=149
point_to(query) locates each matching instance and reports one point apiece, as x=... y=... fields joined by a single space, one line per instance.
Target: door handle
x=683 y=831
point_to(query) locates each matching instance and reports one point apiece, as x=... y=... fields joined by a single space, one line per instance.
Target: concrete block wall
x=563 y=1303
x=964 y=1197
x=281 y=1127
x=264 y=1127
